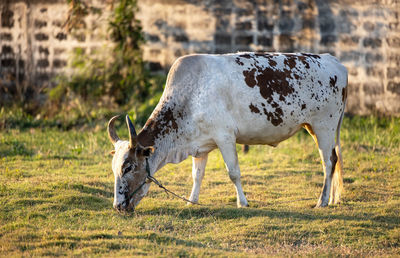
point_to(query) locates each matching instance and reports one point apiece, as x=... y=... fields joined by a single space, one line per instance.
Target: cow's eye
x=127 y=169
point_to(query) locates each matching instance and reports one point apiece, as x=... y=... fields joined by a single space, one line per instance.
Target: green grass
x=56 y=193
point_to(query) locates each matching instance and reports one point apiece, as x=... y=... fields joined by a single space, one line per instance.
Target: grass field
x=56 y=193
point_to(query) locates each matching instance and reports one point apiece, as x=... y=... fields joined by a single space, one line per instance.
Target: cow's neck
x=164 y=131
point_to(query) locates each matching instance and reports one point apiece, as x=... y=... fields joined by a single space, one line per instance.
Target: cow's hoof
x=321 y=205
x=239 y=205
x=192 y=203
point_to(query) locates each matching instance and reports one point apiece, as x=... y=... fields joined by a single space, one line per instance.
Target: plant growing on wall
x=120 y=78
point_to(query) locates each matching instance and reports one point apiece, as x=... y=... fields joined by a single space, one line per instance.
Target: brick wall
x=364 y=35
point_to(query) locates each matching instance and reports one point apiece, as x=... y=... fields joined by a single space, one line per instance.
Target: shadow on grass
x=228 y=213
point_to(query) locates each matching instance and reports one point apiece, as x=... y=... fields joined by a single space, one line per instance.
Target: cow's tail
x=337 y=177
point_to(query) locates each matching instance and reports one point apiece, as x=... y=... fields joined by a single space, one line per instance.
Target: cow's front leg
x=198 y=168
x=228 y=151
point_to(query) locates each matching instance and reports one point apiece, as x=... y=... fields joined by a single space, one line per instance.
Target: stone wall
x=364 y=35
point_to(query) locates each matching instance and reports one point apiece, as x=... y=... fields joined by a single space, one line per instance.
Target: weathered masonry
x=363 y=34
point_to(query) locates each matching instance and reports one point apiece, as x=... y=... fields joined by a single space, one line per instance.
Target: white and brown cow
x=216 y=101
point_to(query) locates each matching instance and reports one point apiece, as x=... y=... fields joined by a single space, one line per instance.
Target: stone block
x=369 y=26
x=7 y=18
x=326 y=25
x=264 y=25
x=41 y=37
x=222 y=39
x=43 y=50
x=58 y=23
x=218 y=12
x=6 y=37
x=40 y=24
x=328 y=40
x=81 y=37
x=8 y=62
x=61 y=36
x=373 y=88
x=42 y=63
x=286 y=43
x=348 y=40
x=243 y=25
x=58 y=51
x=394 y=87
x=243 y=40
x=40 y=76
x=393 y=72
x=350 y=56
x=286 y=24
x=222 y=23
x=155 y=66
x=152 y=38
x=264 y=41
x=59 y=63
x=372 y=42
x=374 y=71
x=181 y=38
x=372 y=57
x=6 y=50
x=244 y=12
x=308 y=23
x=353 y=71
x=393 y=42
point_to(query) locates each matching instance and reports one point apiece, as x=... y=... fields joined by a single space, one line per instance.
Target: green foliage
x=56 y=194
x=110 y=82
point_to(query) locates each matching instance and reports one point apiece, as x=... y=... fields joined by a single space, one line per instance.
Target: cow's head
x=129 y=167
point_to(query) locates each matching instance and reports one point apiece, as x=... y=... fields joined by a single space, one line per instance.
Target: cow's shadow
x=229 y=213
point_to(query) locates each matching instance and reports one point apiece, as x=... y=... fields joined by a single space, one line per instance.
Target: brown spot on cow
x=272 y=62
x=311 y=55
x=271 y=81
x=246 y=56
x=332 y=83
x=162 y=124
x=344 y=94
x=253 y=108
x=290 y=61
x=334 y=159
x=249 y=77
x=238 y=61
x=303 y=59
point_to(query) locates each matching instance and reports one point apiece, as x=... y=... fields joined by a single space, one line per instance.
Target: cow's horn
x=132 y=132
x=111 y=130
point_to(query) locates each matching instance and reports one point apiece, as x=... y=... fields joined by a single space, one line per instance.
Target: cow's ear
x=112 y=152
x=147 y=151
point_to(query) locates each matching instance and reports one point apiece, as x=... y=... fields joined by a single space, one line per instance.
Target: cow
x=217 y=101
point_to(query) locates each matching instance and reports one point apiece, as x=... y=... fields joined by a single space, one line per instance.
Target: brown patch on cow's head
x=253 y=108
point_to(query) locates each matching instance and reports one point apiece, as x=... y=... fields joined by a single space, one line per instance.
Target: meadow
x=56 y=194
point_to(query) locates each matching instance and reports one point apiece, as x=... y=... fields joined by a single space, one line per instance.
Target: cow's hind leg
x=198 y=168
x=325 y=139
x=228 y=151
